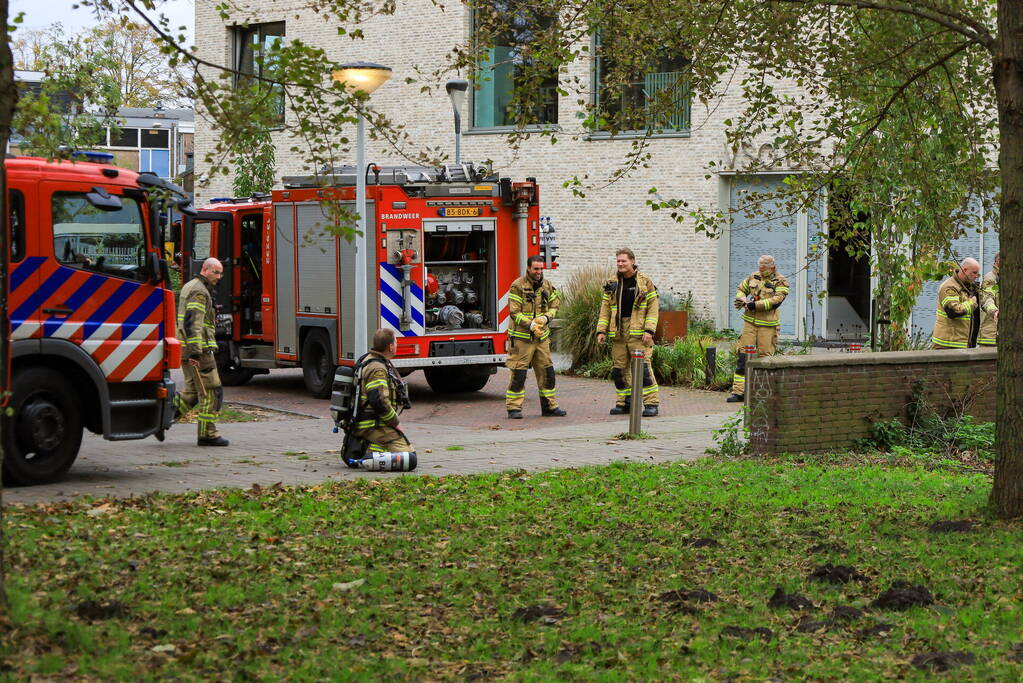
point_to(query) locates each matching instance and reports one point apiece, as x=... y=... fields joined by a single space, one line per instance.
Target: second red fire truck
x=445 y=244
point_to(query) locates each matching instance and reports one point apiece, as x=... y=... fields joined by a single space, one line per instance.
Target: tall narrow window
x=506 y=28
x=653 y=96
x=256 y=48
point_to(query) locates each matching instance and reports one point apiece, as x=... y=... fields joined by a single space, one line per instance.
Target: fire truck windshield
x=100 y=240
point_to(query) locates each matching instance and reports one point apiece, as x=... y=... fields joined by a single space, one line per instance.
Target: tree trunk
x=8 y=99
x=1007 y=493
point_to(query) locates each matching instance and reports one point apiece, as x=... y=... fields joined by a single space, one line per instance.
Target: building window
x=255 y=52
x=505 y=29
x=651 y=98
x=124 y=137
x=155 y=161
x=156 y=138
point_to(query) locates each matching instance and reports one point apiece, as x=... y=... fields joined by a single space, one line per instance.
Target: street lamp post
x=456 y=88
x=367 y=77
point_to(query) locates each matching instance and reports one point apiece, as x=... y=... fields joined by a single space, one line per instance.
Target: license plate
x=461 y=211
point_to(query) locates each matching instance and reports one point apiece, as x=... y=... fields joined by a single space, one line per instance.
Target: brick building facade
x=421 y=34
x=830 y=295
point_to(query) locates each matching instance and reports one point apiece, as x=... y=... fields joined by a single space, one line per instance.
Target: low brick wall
x=823 y=402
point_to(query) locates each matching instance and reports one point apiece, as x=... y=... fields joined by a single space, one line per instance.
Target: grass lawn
x=618 y=573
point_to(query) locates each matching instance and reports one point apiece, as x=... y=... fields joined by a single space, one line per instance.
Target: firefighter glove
x=751 y=305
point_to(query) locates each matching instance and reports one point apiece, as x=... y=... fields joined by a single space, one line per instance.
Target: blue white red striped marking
x=117 y=322
x=391 y=304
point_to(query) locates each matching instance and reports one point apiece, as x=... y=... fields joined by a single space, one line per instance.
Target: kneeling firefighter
x=365 y=403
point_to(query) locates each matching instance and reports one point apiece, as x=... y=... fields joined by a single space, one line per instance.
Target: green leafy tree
x=131 y=56
x=256 y=172
x=76 y=101
x=908 y=108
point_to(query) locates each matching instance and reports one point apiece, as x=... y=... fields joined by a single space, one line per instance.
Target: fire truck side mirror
x=157 y=268
x=103 y=200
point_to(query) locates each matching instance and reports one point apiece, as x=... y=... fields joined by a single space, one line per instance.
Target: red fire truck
x=445 y=245
x=91 y=318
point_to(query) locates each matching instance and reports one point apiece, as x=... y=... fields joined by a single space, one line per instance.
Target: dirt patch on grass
x=780 y=599
x=836 y=573
x=747 y=634
x=943 y=661
x=545 y=614
x=94 y=610
x=948 y=526
x=902 y=596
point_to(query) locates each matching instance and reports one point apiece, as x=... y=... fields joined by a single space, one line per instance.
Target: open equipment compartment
x=461 y=276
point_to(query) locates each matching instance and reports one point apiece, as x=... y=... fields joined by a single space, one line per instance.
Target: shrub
x=578 y=316
x=684 y=363
x=951 y=434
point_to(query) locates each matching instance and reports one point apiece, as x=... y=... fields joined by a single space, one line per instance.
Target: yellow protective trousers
x=764 y=338
x=621 y=372
x=522 y=355
x=202 y=388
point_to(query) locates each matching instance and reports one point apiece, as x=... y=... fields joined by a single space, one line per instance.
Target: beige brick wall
x=422 y=34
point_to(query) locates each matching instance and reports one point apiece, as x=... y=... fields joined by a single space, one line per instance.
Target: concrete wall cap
x=831 y=360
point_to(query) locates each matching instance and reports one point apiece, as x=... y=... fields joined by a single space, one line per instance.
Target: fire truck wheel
x=45 y=429
x=230 y=374
x=317 y=364
x=457 y=379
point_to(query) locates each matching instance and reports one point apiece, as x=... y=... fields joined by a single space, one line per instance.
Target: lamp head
x=457 y=88
x=364 y=76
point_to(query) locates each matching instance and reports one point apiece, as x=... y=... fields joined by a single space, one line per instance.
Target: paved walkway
x=305 y=451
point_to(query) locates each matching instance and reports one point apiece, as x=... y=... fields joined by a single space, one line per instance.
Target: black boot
x=649 y=411
x=214 y=441
x=734 y=398
x=553 y=412
x=514 y=414
x=620 y=410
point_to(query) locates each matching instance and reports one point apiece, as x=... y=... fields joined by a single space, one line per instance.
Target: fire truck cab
x=445 y=244
x=91 y=317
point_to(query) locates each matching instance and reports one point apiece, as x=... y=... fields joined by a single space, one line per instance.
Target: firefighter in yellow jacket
x=197 y=328
x=758 y=297
x=989 y=305
x=532 y=305
x=957 y=308
x=382 y=396
x=629 y=307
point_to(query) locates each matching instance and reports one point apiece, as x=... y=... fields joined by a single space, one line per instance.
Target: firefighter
x=197 y=316
x=989 y=304
x=629 y=307
x=383 y=394
x=758 y=297
x=532 y=305
x=957 y=308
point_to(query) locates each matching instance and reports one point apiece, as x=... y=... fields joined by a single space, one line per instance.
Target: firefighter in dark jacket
x=629 y=308
x=376 y=422
x=532 y=305
x=197 y=328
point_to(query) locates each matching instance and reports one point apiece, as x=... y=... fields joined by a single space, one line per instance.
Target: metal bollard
x=636 y=406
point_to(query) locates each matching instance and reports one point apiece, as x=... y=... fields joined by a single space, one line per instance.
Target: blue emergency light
x=93 y=157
